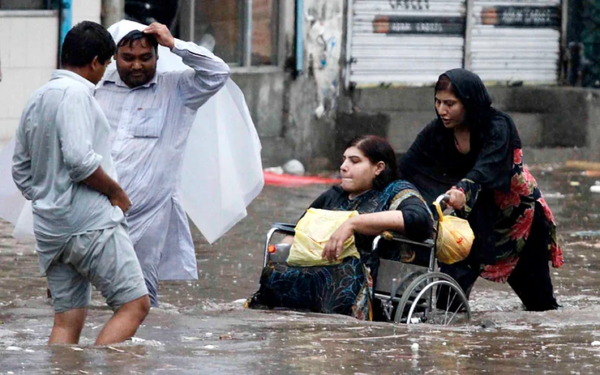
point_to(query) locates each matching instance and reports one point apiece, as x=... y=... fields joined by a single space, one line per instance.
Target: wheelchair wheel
x=433 y=298
x=390 y=292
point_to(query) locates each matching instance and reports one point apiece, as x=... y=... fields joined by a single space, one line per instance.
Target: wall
x=88 y=10
x=28 y=45
x=556 y=123
x=323 y=26
x=312 y=97
x=264 y=93
x=28 y=54
x=295 y=114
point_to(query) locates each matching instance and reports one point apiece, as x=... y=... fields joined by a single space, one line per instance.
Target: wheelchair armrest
x=394 y=236
x=284 y=227
x=277 y=227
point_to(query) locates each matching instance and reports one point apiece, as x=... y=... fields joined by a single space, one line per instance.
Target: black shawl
x=434 y=165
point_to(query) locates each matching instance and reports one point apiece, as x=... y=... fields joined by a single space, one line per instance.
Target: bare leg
x=124 y=322
x=67 y=326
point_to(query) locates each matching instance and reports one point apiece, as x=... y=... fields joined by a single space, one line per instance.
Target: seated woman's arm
x=418 y=221
x=412 y=218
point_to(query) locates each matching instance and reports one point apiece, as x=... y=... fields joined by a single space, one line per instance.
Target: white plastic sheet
x=222 y=168
x=13 y=206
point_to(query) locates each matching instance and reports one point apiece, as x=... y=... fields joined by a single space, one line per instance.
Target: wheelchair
x=408 y=286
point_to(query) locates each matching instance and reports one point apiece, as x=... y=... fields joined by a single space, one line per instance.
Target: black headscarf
x=433 y=164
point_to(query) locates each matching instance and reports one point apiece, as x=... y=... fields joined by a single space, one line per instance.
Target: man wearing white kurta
x=151 y=115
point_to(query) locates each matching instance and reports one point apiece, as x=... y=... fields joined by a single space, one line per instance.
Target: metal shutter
x=403 y=42
x=516 y=40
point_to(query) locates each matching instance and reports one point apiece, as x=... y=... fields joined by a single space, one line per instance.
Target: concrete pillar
x=112 y=11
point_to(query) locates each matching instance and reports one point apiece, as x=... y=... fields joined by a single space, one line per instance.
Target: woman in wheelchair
x=370 y=186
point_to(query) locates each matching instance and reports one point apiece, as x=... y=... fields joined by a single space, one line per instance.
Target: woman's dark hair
x=134 y=35
x=377 y=149
x=85 y=41
x=445 y=84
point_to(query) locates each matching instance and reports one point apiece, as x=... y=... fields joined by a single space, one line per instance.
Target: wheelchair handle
x=442 y=198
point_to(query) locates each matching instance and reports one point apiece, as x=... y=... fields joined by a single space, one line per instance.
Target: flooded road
x=203 y=328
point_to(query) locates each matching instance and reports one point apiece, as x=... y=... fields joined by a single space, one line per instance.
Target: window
x=25 y=4
x=264 y=32
x=241 y=32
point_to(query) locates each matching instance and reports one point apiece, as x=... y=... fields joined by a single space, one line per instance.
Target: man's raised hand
x=162 y=34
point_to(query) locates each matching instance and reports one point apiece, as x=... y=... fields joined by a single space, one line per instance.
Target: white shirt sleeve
x=208 y=76
x=21 y=167
x=75 y=129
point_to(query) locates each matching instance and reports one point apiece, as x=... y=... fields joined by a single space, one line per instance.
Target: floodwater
x=202 y=326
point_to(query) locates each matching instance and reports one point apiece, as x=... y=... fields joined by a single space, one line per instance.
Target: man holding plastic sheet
x=62 y=164
x=151 y=114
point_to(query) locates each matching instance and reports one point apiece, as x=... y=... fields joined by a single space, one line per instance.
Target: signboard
x=419 y=25
x=521 y=16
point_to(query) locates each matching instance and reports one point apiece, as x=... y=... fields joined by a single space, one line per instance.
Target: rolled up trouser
x=103 y=258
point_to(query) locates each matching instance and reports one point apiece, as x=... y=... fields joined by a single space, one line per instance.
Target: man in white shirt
x=151 y=115
x=62 y=163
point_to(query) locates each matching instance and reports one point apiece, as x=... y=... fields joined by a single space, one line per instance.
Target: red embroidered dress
x=514 y=220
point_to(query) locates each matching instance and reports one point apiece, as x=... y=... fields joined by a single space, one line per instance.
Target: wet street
x=202 y=326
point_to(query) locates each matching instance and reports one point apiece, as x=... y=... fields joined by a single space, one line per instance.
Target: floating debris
x=585 y=165
x=586 y=233
x=363 y=338
x=189 y=338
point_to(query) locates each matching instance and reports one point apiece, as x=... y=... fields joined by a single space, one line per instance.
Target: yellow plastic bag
x=312 y=233
x=454 y=238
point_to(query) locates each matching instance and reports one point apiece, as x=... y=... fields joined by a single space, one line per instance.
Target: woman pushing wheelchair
x=472 y=152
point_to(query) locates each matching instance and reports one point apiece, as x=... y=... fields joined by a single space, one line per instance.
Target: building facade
x=317 y=72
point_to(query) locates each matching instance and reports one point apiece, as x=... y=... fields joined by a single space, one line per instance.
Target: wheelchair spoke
x=456 y=312
x=447 y=306
x=450 y=302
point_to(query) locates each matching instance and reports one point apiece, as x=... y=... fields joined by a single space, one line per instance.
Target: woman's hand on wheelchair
x=456 y=199
x=335 y=245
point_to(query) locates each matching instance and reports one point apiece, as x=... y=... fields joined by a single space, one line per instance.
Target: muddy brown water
x=203 y=328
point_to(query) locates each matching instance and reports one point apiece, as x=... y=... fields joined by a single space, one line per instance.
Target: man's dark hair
x=85 y=41
x=138 y=35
